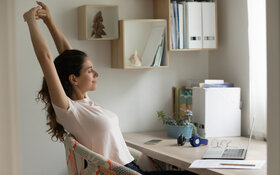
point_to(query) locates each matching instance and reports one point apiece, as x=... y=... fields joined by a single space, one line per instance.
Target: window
x=258 y=65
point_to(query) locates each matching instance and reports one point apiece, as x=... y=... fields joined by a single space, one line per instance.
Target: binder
x=176 y=15
x=208 y=25
x=193 y=17
x=173 y=25
x=176 y=103
x=185 y=27
x=181 y=25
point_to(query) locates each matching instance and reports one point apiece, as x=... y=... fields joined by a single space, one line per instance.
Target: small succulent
x=171 y=122
x=182 y=122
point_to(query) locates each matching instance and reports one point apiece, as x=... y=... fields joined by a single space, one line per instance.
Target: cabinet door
x=208 y=25
x=194 y=25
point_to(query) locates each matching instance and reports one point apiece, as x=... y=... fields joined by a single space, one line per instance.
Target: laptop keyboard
x=233 y=153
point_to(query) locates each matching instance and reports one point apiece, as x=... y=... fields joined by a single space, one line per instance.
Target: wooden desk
x=182 y=156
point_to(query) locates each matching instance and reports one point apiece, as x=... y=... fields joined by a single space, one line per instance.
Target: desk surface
x=182 y=156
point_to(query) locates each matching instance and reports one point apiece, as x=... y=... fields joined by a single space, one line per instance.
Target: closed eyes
x=90 y=69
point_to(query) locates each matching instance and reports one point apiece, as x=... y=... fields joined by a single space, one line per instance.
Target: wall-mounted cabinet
x=98 y=22
x=142 y=44
x=191 y=25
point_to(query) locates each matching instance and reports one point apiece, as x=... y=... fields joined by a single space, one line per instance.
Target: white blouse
x=96 y=128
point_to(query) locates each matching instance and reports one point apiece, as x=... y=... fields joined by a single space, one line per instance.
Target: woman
x=66 y=82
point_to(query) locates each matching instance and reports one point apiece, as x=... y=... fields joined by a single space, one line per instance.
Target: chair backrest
x=77 y=155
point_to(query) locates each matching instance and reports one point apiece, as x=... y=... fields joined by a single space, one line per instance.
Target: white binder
x=208 y=25
x=181 y=25
x=194 y=25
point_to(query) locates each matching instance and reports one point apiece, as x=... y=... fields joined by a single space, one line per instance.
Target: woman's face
x=88 y=76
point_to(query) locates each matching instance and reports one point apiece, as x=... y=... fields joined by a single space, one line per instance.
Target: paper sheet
x=228 y=164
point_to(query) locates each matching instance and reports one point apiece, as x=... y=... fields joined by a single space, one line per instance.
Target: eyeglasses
x=223 y=144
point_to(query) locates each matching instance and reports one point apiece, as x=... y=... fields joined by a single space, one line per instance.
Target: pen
x=236 y=164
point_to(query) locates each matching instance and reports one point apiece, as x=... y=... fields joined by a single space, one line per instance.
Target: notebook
x=232 y=154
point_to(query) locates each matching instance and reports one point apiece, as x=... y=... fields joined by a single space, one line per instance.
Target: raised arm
x=60 y=40
x=44 y=57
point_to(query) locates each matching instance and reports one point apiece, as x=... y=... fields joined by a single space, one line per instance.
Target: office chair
x=83 y=161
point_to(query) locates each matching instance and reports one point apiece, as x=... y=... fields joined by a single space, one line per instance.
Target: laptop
x=232 y=154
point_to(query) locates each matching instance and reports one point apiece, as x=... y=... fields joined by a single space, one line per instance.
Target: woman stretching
x=66 y=82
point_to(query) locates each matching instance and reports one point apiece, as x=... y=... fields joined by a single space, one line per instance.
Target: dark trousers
x=135 y=167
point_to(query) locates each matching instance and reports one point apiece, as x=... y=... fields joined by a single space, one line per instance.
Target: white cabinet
x=216 y=111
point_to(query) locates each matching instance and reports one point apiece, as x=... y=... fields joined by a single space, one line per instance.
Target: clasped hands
x=39 y=12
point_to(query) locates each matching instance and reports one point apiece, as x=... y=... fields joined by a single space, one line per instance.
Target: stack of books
x=154 y=53
x=160 y=53
x=215 y=84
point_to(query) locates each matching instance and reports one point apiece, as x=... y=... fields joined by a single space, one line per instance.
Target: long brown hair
x=67 y=63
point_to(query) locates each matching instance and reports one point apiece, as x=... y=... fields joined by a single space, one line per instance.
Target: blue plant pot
x=175 y=131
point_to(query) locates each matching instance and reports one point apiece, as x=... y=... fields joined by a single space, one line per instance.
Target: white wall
x=8 y=107
x=231 y=60
x=273 y=86
x=135 y=95
x=4 y=106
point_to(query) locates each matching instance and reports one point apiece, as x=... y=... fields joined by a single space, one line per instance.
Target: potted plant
x=175 y=125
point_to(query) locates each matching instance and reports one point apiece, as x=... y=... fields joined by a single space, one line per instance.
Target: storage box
x=216 y=111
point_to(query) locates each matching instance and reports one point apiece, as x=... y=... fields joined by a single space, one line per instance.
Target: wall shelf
x=86 y=16
x=162 y=11
x=147 y=38
x=131 y=38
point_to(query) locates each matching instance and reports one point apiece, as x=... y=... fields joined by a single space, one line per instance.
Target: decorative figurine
x=97 y=27
x=135 y=60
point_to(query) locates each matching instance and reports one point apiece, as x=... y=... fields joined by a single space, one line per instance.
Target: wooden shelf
x=162 y=11
x=110 y=15
x=126 y=41
x=135 y=34
x=146 y=67
x=182 y=50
